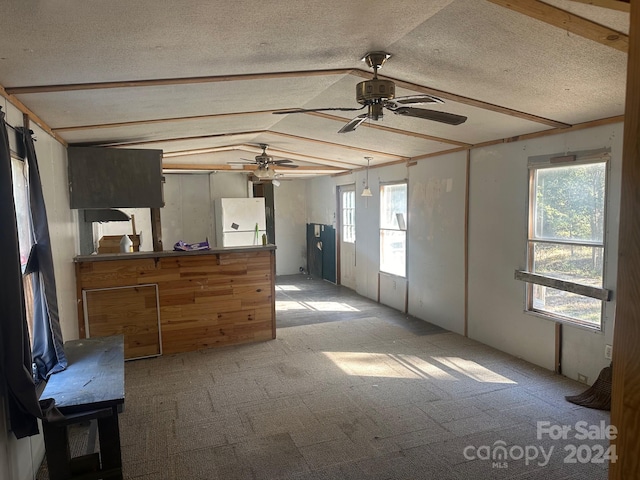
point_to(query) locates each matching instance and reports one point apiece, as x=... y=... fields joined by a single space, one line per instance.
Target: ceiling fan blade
x=395 y=103
x=304 y=110
x=246 y=162
x=351 y=125
x=279 y=162
x=442 y=117
x=285 y=165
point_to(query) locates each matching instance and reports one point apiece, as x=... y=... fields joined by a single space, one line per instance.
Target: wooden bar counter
x=171 y=302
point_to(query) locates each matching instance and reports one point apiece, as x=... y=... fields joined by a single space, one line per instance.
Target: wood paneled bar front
x=202 y=299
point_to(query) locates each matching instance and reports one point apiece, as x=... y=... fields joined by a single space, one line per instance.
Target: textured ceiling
x=199 y=80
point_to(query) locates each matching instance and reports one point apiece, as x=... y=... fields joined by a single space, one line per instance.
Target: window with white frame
x=349 y=216
x=393 y=229
x=566 y=241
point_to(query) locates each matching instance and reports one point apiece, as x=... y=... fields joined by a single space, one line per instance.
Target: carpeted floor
x=351 y=390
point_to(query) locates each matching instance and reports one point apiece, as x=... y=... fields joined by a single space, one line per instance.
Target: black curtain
x=48 y=351
x=15 y=356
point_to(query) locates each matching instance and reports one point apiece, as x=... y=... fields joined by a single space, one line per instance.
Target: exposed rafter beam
x=437 y=154
x=168 y=140
x=161 y=120
x=377 y=153
x=555 y=131
x=159 y=82
x=247 y=168
x=568 y=21
x=389 y=129
x=621 y=6
x=32 y=116
x=199 y=151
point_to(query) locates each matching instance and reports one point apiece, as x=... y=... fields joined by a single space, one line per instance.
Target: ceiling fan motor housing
x=370 y=91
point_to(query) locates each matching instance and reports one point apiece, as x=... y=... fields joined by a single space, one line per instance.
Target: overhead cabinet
x=115 y=178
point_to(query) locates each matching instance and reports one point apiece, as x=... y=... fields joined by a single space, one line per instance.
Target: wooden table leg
x=109 y=434
x=56 y=441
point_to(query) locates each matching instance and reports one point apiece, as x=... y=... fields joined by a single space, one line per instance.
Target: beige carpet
x=349 y=390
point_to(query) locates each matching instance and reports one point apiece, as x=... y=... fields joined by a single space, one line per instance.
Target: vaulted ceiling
x=201 y=79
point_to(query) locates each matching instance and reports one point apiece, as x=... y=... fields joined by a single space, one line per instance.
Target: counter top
x=170 y=253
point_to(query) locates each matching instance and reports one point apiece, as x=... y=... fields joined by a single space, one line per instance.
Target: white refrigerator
x=240 y=221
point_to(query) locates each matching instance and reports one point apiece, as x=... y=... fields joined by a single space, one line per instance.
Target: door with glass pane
x=347 y=210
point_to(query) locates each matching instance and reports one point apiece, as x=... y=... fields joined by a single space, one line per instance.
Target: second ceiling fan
x=375 y=95
x=265 y=163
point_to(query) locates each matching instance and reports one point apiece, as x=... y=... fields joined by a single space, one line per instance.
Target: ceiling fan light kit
x=377 y=94
x=264 y=172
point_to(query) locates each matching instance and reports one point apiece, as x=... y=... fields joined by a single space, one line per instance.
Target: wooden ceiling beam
x=32 y=116
x=555 y=131
x=246 y=168
x=163 y=82
x=162 y=120
x=175 y=139
x=568 y=21
x=339 y=145
x=199 y=151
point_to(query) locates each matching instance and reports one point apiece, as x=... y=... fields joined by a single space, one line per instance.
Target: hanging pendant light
x=366 y=192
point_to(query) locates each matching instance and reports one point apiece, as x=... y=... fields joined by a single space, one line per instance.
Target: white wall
x=290 y=209
x=436 y=240
x=497 y=244
x=230 y=185
x=497 y=247
x=322 y=206
x=188 y=211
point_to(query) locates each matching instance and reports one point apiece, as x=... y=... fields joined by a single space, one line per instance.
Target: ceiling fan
x=377 y=94
x=264 y=162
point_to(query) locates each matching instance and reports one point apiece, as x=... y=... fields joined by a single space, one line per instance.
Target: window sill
x=564 y=285
x=566 y=321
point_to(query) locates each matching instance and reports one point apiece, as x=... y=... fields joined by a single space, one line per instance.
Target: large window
x=566 y=241
x=20 y=181
x=393 y=229
x=349 y=216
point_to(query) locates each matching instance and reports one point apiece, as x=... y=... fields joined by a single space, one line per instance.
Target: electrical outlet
x=608 y=350
x=582 y=378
